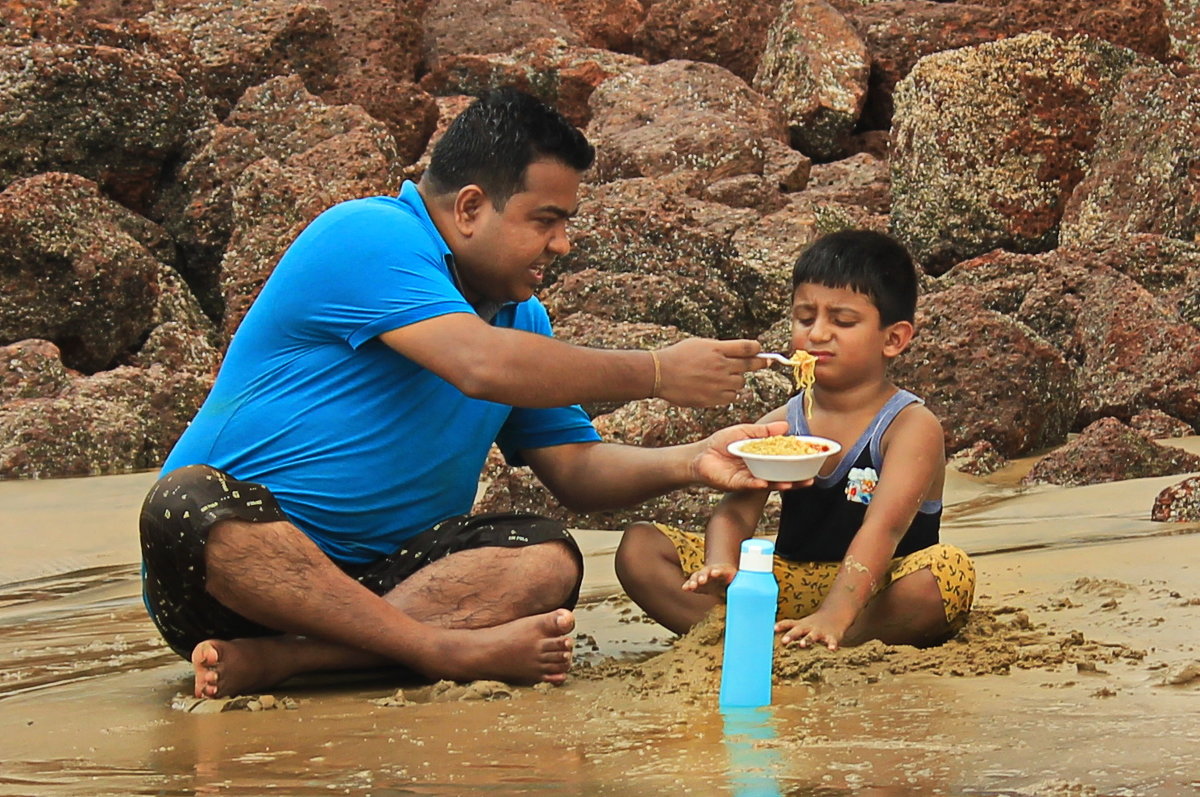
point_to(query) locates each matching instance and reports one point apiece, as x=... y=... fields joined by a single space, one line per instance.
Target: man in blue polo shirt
x=315 y=514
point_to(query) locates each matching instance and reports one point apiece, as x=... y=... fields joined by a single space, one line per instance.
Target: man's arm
x=587 y=477
x=525 y=369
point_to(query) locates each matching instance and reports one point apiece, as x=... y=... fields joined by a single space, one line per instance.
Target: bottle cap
x=758 y=556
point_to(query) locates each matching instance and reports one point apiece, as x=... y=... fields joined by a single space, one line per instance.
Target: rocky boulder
x=489 y=26
x=1179 y=503
x=677 y=116
x=643 y=250
x=607 y=24
x=990 y=141
x=280 y=157
x=560 y=74
x=1158 y=425
x=1139 y=25
x=75 y=270
x=31 y=369
x=240 y=44
x=1129 y=348
x=108 y=114
x=1143 y=177
x=815 y=66
x=1183 y=28
x=899 y=33
x=730 y=35
x=1108 y=451
x=988 y=377
x=117 y=421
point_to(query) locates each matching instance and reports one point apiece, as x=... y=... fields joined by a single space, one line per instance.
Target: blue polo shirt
x=362 y=447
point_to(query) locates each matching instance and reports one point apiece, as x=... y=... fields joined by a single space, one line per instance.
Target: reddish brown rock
x=899 y=33
x=1179 y=503
x=815 y=66
x=240 y=44
x=1129 y=348
x=560 y=74
x=988 y=377
x=729 y=35
x=1159 y=425
x=681 y=115
x=113 y=422
x=409 y=112
x=978 y=459
x=489 y=26
x=607 y=24
x=48 y=437
x=650 y=252
x=1144 y=177
x=374 y=35
x=1183 y=28
x=73 y=270
x=989 y=142
x=31 y=369
x=320 y=153
x=1139 y=25
x=1108 y=451
x=107 y=114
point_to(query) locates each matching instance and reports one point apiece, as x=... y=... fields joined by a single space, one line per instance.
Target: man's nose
x=560 y=243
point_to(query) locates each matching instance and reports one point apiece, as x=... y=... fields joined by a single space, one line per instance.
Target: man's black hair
x=495 y=139
x=868 y=262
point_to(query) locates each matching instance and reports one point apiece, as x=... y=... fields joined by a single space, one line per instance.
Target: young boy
x=857 y=556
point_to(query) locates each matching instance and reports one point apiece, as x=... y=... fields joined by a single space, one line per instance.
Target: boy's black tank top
x=817 y=523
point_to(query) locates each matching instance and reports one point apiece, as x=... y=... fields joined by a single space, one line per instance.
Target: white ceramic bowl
x=793 y=468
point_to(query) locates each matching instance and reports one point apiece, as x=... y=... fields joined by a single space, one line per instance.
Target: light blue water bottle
x=750 y=628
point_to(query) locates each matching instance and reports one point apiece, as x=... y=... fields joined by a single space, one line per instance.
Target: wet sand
x=1078 y=674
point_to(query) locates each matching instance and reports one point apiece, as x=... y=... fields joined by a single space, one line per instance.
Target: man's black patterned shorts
x=185 y=504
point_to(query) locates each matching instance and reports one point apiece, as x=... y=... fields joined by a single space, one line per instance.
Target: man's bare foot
x=525 y=651
x=232 y=667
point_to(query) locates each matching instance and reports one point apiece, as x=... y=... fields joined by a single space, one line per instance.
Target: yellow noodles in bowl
x=784 y=446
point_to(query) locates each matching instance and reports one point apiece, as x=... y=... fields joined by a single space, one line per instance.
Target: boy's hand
x=816 y=629
x=711 y=579
x=717 y=468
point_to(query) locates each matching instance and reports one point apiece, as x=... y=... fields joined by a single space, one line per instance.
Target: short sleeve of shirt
x=381 y=270
x=528 y=428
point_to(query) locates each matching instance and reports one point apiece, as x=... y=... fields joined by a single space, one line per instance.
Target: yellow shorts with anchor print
x=803 y=585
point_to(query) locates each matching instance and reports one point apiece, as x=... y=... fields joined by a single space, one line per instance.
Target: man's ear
x=897 y=337
x=469 y=203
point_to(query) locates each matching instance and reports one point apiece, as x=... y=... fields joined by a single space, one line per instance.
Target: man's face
x=504 y=257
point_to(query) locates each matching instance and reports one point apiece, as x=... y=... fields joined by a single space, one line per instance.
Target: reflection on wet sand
x=1091 y=695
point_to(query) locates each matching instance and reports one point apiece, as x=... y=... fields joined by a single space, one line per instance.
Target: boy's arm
x=914 y=446
x=734 y=520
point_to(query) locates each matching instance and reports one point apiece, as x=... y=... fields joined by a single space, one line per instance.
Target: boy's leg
x=928 y=599
x=275 y=579
x=652 y=567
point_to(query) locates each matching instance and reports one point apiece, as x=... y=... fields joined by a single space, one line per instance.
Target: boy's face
x=841 y=328
x=504 y=253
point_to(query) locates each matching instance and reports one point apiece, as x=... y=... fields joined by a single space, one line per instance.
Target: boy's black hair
x=495 y=139
x=871 y=263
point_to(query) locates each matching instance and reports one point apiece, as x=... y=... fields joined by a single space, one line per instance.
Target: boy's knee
x=640 y=544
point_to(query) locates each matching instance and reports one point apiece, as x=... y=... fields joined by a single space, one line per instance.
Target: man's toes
x=564 y=621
